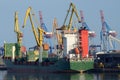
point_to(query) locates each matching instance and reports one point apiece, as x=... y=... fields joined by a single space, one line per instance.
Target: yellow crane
x=17 y=30
x=38 y=35
x=56 y=33
x=19 y=48
x=74 y=10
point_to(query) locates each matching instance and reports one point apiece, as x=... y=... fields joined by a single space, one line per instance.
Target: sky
x=56 y=8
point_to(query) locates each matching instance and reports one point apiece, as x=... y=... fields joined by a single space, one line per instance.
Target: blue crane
x=84 y=24
x=48 y=35
x=105 y=32
x=42 y=23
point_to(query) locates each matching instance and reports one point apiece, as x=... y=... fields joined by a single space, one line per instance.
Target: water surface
x=4 y=75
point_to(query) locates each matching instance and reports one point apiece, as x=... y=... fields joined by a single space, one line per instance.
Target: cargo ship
x=71 y=54
x=75 y=56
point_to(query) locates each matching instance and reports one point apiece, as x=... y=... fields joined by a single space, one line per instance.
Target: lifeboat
x=76 y=50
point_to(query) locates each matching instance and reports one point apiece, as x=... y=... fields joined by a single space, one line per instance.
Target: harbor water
x=4 y=75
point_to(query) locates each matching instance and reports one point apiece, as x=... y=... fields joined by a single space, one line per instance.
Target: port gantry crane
x=48 y=35
x=38 y=35
x=84 y=24
x=43 y=26
x=106 y=31
x=73 y=10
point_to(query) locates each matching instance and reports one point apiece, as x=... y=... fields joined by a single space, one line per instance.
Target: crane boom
x=16 y=24
x=58 y=35
x=74 y=10
x=38 y=37
x=43 y=26
x=17 y=30
x=42 y=23
x=113 y=38
x=84 y=24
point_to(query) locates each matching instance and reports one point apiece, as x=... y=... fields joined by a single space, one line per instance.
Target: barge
x=107 y=62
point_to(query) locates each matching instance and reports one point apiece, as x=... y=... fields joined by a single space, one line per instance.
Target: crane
x=112 y=38
x=74 y=10
x=84 y=24
x=42 y=23
x=38 y=35
x=57 y=35
x=48 y=35
x=20 y=48
x=17 y=30
x=43 y=26
x=105 y=32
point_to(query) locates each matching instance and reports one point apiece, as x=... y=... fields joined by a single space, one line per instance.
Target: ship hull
x=62 y=65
